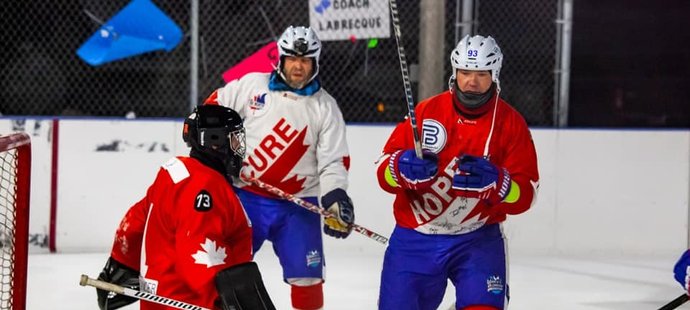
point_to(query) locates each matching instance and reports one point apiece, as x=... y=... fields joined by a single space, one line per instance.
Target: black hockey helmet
x=216 y=132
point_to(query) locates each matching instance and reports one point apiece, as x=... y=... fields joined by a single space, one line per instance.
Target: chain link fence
x=40 y=73
x=526 y=33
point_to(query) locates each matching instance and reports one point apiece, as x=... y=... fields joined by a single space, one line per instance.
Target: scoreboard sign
x=349 y=19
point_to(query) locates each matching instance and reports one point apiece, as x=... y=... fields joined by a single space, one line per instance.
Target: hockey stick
x=311 y=207
x=405 y=77
x=676 y=302
x=106 y=286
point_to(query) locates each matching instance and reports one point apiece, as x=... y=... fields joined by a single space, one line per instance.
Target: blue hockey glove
x=411 y=172
x=479 y=178
x=340 y=205
x=682 y=271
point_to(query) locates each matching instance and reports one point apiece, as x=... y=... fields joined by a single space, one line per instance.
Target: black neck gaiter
x=473 y=101
x=209 y=160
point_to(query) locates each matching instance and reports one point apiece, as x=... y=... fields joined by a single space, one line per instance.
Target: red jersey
x=189 y=226
x=450 y=134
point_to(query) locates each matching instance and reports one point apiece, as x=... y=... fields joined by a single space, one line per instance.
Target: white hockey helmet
x=299 y=41
x=477 y=53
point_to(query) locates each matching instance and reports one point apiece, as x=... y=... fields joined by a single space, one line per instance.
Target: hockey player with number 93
x=479 y=165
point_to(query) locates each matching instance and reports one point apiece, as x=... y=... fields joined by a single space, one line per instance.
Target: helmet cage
x=220 y=140
x=238 y=142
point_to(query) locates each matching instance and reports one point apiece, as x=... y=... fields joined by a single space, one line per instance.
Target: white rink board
x=602 y=191
x=622 y=190
x=105 y=167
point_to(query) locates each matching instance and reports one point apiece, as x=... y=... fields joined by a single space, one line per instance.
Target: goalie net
x=15 y=173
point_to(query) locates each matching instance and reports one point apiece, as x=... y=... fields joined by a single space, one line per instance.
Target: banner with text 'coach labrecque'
x=349 y=19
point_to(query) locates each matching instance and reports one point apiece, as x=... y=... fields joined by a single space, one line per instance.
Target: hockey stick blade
x=395 y=18
x=675 y=303
x=311 y=207
x=107 y=286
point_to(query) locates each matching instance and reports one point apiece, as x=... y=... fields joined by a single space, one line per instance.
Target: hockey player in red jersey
x=189 y=238
x=295 y=142
x=479 y=165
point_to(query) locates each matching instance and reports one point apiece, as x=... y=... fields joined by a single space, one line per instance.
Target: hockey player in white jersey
x=296 y=142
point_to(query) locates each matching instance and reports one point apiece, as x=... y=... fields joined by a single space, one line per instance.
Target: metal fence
x=526 y=33
x=40 y=73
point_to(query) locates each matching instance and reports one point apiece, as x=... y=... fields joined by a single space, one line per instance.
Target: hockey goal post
x=15 y=174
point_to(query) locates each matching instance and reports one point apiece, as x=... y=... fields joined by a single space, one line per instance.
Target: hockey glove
x=682 y=271
x=479 y=178
x=121 y=275
x=411 y=172
x=340 y=205
x=241 y=287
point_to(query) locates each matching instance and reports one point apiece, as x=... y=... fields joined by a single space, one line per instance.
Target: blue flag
x=139 y=28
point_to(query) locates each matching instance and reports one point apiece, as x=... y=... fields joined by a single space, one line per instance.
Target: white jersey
x=296 y=143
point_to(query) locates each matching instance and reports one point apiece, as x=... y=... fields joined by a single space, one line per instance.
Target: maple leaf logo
x=209 y=254
x=285 y=162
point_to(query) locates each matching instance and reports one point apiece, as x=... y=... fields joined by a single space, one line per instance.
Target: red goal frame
x=21 y=142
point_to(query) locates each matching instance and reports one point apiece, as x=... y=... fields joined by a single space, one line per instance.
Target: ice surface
x=537 y=281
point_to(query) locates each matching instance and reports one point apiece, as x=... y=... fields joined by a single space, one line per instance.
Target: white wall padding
x=105 y=167
x=602 y=191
